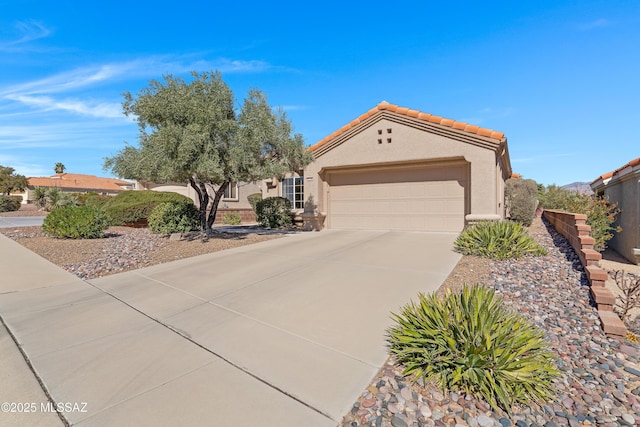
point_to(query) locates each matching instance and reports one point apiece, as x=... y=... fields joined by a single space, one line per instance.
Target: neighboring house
x=394 y=168
x=76 y=183
x=622 y=187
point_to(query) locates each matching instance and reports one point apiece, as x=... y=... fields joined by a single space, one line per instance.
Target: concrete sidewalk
x=287 y=332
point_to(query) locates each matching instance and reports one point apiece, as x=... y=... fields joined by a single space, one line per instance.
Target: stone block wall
x=247 y=216
x=575 y=229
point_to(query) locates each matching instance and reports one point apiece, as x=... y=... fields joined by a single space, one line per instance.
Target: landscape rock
x=600 y=378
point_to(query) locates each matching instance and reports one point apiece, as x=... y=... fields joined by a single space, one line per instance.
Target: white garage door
x=420 y=198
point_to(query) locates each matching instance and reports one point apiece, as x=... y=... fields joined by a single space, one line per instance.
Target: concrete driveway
x=282 y=333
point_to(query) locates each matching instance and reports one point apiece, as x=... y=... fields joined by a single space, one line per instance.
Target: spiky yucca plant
x=469 y=342
x=497 y=240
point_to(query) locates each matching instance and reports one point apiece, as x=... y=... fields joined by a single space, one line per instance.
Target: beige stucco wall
x=624 y=190
x=410 y=142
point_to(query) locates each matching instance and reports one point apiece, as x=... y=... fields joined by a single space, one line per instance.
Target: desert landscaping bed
x=124 y=248
x=600 y=381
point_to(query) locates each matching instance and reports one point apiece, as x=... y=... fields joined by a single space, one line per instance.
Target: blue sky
x=561 y=79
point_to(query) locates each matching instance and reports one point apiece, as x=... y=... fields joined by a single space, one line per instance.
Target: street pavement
x=21 y=221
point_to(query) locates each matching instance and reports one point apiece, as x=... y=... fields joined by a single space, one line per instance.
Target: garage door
x=420 y=198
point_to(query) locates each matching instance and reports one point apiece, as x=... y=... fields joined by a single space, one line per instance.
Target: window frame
x=295 y=183
x=231 y=188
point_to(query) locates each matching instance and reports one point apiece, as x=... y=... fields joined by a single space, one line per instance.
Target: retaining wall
x=574 y=228
x=247 y=216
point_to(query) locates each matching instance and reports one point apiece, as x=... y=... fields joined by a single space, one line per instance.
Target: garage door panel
x=422 y=199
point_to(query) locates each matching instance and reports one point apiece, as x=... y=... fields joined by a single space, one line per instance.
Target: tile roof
x=385 y=106
x=631 y=164
x=79 y=181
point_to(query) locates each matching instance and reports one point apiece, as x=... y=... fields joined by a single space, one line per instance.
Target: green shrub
x=76 y=222
x=469 y=342
x=133 y=206
x=231 y=218
x=93 y=199
x=174 y=217
x=601 y=214
x=253 y=200
x=497 y=240
x=10 y=203
x=52 y=198
x=521 y=200
x=274 y=212
x=553 y=197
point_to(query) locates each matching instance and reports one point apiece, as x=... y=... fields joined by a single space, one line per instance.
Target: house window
x=231 y=192
x=293 y=189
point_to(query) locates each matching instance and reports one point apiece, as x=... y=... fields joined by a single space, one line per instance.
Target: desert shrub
x=231 y=218
x=10 y=203
x=76 y=222
x=497 y=240
x=521 y=199
x=628 y=298
x=601 y=214
x=468 y=341
x=51 y=198
x=174 y=217
x=133 y=206
x=253 y=200
x=274 y=212
x=93 y=199
x=553 y=197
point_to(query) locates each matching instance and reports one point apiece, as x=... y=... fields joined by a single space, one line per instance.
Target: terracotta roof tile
x=485 y=132
x=516 y=175
x=385 y=106
x=79 y=181
x=632 y=163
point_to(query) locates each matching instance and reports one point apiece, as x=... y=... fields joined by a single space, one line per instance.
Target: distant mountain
x=580 y=187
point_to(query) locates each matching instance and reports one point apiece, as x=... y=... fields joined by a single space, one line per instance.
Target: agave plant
x=469 y=342
x=497 y=240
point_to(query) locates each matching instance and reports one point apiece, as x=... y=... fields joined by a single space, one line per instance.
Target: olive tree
x=11 y=181
x=190 y=131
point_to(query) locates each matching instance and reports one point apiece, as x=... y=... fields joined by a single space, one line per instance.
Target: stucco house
x=394 y=168
x=622 y=187
x=75 y=183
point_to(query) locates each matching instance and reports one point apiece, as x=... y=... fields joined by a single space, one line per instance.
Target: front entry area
x=409 y=197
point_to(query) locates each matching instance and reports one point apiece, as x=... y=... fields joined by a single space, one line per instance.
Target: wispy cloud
x=27 y=31
x=100 y=109
x=24 y=168
x=45 y=93
x=598 y=23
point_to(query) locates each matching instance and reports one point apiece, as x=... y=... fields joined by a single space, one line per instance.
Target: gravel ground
x=124 y=248
x=601 y=378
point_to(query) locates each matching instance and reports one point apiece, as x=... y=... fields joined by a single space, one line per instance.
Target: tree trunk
x=203 y=199
x=214 y=206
